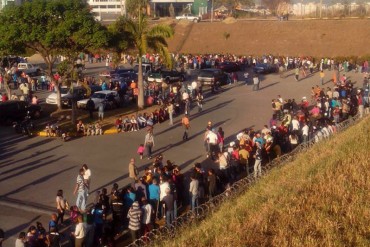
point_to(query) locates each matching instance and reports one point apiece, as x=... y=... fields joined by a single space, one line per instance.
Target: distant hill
x=319 y=199
x=346 y=37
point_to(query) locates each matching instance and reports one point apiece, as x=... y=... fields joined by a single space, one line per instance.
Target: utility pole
x=212 y=11
x=302 y=9
x=320 y=9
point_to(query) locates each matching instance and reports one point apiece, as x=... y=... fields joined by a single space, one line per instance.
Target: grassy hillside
x=320 y=199
x=347 y=37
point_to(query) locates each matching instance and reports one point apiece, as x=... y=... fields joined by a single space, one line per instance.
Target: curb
x=105 y=132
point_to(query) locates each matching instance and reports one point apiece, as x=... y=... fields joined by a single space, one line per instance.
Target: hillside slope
x=320 y=199
x=294 y=38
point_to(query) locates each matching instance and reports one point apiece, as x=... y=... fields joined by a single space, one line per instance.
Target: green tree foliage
x=142 y=38
x=50 y=28
x=118 y=42
x=273 y=5
x=232 y=4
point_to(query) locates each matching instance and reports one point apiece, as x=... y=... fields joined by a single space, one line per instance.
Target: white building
x=107 y=8
x=9 y=2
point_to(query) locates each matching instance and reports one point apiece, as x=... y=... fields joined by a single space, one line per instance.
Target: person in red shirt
x=4 y=98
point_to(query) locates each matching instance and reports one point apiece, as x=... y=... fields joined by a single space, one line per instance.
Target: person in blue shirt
x=129 y=197
x=99 y=217
x=154 y=195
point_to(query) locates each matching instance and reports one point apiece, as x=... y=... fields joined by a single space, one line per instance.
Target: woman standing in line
x=61 y=206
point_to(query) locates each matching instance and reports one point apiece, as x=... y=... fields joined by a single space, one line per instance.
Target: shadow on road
x=49 y=162
x=19 y=228
x=269 y=85
x=40 y=180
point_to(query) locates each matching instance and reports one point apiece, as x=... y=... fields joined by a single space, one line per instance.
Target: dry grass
x=320 y=199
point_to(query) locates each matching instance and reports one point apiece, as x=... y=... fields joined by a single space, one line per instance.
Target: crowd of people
x=162 y=191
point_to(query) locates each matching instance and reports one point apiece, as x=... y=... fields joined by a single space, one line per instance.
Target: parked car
x=189 y=17
x=110 y=98
x=117 y=71
x=167 y=76
x=125 y=77
x=265 y=68
x=229 y=66
x=147 y=69
x=79 y=94
x=29 y=68
x=66 y=95
x=212 y=77
x=14 y=110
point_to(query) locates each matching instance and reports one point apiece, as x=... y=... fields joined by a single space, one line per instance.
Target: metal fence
x=206 y=209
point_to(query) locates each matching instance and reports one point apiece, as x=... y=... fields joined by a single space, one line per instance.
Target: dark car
x=212 y=77
x=167 y=76
x=117 y=71
x=14 y=110
x=265 y=68
x=127 y=77
x=229 y=66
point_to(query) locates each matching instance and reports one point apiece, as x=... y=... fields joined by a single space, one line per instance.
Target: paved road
x=32 y=170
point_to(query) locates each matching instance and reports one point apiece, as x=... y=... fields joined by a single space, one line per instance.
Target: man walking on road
x=170 y=112
x=81 y=190
x=132 y=170
x=149 y=143
x=256 y=83
x=186 y=123
x=322 y=75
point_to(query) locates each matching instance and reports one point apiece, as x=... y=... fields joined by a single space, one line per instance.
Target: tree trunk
x=140 y=101
x=73 y=117
x=6 y=86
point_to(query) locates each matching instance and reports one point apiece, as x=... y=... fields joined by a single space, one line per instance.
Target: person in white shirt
x=87 y=175
x=79 y=232
x=212 y=142
x=162 y=187
x=305 y=130
x=21 y=240
x=147 y=216
x=295 y=123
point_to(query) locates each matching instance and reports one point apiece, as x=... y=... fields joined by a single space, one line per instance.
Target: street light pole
x=302 y=9
x=212 y=11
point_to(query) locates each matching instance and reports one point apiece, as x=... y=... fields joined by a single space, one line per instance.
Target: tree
x=50 y=28
x=233 y=4
x=142 y=37
x=273 y=5
x=118 y=42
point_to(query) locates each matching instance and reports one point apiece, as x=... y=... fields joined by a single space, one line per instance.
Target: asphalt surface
x=33 y=169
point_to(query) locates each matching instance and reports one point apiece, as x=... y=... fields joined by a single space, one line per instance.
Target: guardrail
x=202 y=211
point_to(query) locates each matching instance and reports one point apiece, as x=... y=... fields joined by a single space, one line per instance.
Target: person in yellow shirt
x=322 y=75
x=243 y=159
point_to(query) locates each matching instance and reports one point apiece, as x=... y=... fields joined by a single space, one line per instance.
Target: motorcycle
x=24 y=127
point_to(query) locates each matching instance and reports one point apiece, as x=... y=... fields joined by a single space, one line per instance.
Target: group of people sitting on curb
x=89 y=129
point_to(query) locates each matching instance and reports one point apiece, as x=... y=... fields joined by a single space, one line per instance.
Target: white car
x=189 y=17
x=29 y=68
x=109 y=98
x=52 y=98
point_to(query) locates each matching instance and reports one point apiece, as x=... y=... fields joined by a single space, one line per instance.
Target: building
x=9 y=2
x=160 y=8
x=107 y=9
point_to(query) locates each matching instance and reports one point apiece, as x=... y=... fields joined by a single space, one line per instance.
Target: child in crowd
x=140 y=150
